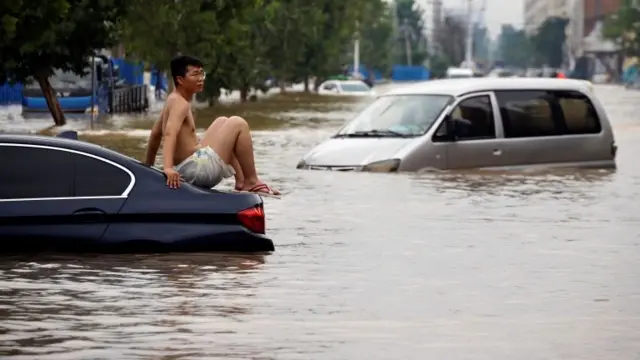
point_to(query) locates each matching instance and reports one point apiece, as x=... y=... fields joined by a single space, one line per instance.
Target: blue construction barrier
x=131 y=73
x=164 y=83
x=409 y=73
x=10 y=94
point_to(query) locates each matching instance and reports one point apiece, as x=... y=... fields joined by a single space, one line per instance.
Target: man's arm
x=177 y=114
x=154 y=143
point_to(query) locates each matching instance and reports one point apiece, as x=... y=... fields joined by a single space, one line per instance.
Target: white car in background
x=345 y=88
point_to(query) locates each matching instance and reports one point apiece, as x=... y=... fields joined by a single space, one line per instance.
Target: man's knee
x=220 y=119
x=238 y=121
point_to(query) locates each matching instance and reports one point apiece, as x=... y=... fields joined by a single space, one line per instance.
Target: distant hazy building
x=536 y=11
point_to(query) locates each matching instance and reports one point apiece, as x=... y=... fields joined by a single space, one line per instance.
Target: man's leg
x=232 y=138
x=215 y=127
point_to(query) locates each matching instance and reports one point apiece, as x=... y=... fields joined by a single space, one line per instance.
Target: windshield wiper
x=375 y=133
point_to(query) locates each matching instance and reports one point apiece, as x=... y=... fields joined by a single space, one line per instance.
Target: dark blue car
x=62 y=194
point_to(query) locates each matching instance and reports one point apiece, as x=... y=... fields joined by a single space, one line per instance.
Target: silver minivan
x=494 y=123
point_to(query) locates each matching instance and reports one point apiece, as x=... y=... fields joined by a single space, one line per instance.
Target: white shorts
x=204 y=168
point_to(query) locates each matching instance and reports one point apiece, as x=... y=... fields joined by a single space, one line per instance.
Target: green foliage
x=624 y=27
x=549 y=40
x=514 y=47
x=38 y=36
x=411 y=28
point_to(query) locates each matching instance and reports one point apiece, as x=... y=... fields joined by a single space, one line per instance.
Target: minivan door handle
x=497 y=152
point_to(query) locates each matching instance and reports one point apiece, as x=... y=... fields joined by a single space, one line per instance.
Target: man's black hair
x=179 y=65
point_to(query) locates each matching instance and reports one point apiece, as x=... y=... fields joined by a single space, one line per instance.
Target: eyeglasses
x=199 y=75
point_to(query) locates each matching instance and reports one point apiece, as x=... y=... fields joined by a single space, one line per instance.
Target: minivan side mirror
x=450 y=130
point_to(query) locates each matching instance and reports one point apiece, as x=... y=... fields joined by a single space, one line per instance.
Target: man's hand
x=173 y=178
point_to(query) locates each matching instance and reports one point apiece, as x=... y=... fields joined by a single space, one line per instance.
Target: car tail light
x=253 y=219
x=614 y=149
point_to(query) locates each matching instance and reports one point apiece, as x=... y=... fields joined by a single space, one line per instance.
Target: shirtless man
x=225 y=150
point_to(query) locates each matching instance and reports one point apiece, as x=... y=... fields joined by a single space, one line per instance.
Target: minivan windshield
x=397 y=116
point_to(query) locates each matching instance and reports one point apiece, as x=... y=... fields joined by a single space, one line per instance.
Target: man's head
x=187 y=73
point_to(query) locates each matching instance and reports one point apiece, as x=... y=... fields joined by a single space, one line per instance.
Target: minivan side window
x=94 y=177
x=527 y=114
x=474 y=119
x=35 y=173
x=546 y=113
x=580 y=116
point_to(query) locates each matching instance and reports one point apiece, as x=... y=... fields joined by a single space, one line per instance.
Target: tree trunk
x=283 y=88
x=306 y=84
x=244 y=93
x=317 y=83
x=51 y=98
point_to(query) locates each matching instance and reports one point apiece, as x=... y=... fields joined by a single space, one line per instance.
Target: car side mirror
x=450 y=130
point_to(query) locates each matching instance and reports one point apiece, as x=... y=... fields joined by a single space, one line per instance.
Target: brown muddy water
x=367 y=266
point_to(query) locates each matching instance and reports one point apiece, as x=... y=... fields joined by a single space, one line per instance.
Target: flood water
x=367 y=266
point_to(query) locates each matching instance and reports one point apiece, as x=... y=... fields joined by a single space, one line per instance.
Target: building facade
x=536 y=11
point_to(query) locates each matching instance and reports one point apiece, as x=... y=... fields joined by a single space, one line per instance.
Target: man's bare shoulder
x=176 y=103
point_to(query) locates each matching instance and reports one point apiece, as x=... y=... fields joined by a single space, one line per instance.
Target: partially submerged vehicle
x=65 y=195
x=473 y=123
x=345 y=88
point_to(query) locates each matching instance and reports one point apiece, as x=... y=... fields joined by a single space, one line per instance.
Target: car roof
x=64 y=143
x=457 y=87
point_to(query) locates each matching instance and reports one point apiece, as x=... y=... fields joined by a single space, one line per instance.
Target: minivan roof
x=457 y=87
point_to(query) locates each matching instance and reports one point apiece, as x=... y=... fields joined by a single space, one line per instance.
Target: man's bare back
x=186 y=139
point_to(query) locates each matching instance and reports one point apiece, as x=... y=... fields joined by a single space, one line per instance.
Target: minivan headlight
x=390 y=165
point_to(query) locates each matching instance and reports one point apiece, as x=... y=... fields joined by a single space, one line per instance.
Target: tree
x=39 y=36
x=624 y=27
x=155 y=31
x=411 y=32
x=548 y=42
x=450 y=39
x=376 y=37
x=514 y=47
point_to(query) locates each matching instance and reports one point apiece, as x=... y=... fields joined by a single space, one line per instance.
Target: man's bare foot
x=239 y=186
x=261 y=188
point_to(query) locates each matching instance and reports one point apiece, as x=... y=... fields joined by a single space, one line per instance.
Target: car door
x=478 y=143
x=45 y=202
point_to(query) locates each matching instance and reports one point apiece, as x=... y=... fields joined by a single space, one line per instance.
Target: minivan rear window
x=546 y=113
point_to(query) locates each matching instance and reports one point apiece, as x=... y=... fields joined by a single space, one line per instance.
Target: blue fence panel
x=10 y=94
x=409 y=73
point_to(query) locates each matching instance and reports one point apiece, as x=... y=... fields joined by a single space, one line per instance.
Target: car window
x=579 y=114
x=34 y=173
x=473 y=119
x=529 y=114
x=95 y=177
x=329 y=86
x=354 y=87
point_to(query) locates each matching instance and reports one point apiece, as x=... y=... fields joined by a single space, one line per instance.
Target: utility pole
x=468 y=58
x=396 y=26
x=356 y=51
